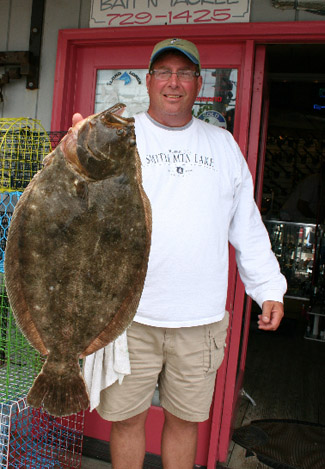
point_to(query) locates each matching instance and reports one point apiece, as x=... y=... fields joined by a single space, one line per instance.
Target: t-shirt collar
x=166 y=127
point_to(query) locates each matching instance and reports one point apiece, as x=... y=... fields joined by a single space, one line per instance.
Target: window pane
x=215 y=103
x=122 y=86
x=217 y=99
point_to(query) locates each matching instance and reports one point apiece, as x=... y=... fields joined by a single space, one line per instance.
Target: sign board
x=113 y=13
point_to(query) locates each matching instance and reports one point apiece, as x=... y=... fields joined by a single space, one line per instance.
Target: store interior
x=284 y=375
x=284 y=370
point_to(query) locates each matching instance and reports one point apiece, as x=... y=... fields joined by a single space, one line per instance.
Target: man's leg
x=127 y=442
x=186 y=384
x=127 y=404
x=178 y=445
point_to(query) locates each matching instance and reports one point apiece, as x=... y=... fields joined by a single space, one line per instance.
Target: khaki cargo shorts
x=183 y=361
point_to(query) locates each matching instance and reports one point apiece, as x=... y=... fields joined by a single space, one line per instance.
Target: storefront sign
x=112 y=13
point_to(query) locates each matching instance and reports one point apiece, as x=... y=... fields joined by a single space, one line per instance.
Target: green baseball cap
x=182 y=45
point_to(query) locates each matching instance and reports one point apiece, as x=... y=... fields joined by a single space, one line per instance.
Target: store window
x=215 y=104
x=122 y=86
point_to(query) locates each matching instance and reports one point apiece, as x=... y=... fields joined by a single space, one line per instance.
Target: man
x=201 y=195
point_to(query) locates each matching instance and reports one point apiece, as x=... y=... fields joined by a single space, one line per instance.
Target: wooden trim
x=246 y=96
x=262 y=146
x=256 y=110
x=230 y=378
x=217 y=406
x=65 y=66
x=277 y=32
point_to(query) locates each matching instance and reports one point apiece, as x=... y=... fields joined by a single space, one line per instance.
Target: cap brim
x=164 y=49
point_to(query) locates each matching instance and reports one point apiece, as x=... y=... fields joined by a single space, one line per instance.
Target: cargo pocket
x=216 y=335
x=217 y=351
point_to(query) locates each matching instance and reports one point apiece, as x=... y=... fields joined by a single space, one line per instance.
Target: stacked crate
x=29 y=438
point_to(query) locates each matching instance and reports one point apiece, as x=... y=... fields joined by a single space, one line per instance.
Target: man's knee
x=177 y=422
x=135 y=422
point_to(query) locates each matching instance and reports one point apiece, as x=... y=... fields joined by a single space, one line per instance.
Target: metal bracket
x=26 y=63
x=18 y=63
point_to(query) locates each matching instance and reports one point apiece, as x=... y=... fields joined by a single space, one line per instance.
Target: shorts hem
x=120 y=417
x=183 y=415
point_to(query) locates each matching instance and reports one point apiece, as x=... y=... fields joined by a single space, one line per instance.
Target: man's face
x=171 y=101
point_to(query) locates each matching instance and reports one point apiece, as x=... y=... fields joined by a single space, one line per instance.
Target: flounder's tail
x=60 y=388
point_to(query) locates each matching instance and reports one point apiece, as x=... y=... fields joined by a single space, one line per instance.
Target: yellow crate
x=23 y=145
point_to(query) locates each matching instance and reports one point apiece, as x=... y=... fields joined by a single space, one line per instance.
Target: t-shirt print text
x=179 y=162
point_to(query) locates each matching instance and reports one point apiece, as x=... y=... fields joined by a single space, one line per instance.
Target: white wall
x=65 y=14
x=15 y=18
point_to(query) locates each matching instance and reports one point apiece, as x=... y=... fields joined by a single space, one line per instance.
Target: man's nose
x=174 y=80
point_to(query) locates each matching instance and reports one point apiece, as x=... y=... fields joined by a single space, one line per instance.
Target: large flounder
x=77 y=253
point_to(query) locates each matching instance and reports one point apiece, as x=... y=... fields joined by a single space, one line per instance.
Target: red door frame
x=239 y=337
x=70 y=40
x=215 y=433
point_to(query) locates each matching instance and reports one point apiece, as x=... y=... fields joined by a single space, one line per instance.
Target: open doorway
x=293 y=179
x=284 y=370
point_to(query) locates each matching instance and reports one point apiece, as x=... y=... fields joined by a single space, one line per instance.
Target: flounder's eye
x=121 y=132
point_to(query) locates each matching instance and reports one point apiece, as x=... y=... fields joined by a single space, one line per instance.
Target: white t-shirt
x=201 y=196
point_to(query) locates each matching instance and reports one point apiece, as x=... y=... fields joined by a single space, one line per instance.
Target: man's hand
x=272 y=314
x=76 y=118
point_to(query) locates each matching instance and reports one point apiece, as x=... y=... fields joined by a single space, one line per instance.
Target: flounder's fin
x=59 y=388
x=13 y=275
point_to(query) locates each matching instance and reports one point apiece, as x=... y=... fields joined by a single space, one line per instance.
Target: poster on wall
x=215 y=103
x=113 y=13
